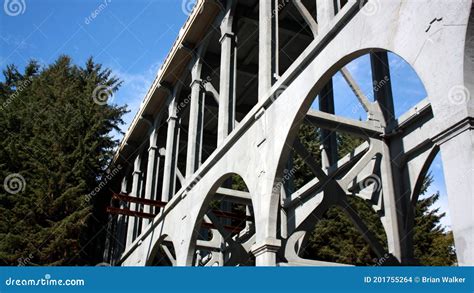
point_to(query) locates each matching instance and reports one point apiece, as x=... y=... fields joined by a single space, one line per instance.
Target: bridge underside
x=208 y=175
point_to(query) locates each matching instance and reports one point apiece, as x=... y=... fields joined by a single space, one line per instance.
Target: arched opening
x=227 y=226
x=163 y=254
x=334 y=203
x=429 y=219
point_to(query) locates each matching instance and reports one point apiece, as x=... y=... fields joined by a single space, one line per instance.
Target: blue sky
x=133 y=38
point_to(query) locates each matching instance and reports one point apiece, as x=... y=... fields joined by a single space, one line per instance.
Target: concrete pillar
x=457 y=154
x=325 y=12
x=135 y=193
x=171 y=151
x=265 y=252
x=390 y=174
x=228 y=78
x=380 y=76
x=328 y=137
x=121 y=222
x=196 y=121
x=150 y=174
x=156 y=193
x=267 y=47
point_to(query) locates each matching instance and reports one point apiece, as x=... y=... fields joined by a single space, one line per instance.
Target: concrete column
x=228 y=78
x=390 y=174
x=156 y=196
x=267 y=47
x=171 y=151
x=150 y=174
x=196 y=121
x=265 y=252
x=380 y=76
x=121 y=221
x=134 y=192
x=457 y=154
x=325 y=12
x=328 y=137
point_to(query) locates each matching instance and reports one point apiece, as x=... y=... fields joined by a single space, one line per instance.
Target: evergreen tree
x=56 y=142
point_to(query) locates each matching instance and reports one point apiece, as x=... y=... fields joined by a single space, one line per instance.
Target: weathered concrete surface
x=429 y=35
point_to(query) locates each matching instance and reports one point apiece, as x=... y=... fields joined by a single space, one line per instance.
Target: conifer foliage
x=55 y=129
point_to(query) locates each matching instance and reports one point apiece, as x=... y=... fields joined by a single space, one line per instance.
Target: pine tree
x=57 y=139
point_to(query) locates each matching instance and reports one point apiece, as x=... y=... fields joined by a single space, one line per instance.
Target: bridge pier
x=456 y=152
x=136 y=178
x=172 y=145
x=196 y=120
x=228 y=75
x=270 y=110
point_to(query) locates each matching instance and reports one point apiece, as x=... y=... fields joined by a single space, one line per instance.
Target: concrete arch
x=155 y=248
x=437 y=78
x=204 y=204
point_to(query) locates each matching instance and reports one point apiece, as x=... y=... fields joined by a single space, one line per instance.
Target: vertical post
x=150 y=173
x=457 y=153
x=121 y=222
x=228 y=76
x=267 y=47
x=328 y=137
x=171 y=151
x=390 y=174
x=196 y=121
x=155 y=194
x=325 y=12
x=382 y=85
x=134 y=192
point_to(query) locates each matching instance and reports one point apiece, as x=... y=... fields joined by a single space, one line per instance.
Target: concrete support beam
x=308 y=18
x=171 y=151
x=390 y=175
x=457 y=154
x=355 y=89
x=342 y=124
x=228 y=76
x=381 y=76
x=151 y=174
x=325 y=12
x=196 y=121
x=136 y=178
x=267 y=47
x=328 y=137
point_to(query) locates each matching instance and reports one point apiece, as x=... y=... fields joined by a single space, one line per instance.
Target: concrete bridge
x=226 y=107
